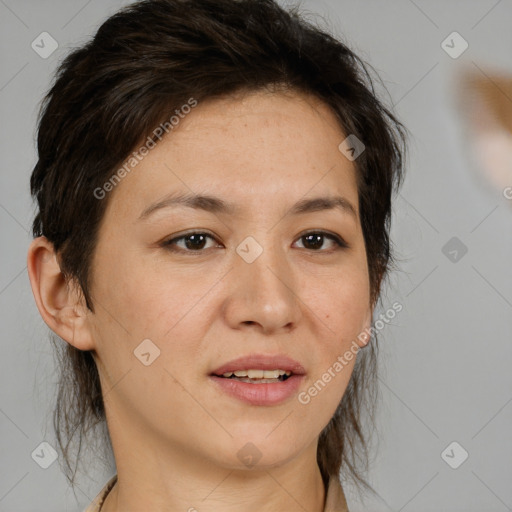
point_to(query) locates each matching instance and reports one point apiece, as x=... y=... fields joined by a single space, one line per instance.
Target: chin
x=259 y=449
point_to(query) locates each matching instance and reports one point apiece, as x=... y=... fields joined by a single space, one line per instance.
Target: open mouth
x=260 y=380
x=257 y=376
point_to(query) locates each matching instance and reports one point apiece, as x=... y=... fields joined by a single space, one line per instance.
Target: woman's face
x=249 y=283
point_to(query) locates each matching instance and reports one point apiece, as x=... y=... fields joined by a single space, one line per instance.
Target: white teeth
x=257 y=374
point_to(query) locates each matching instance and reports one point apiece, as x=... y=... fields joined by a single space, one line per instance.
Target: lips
x=261 y=362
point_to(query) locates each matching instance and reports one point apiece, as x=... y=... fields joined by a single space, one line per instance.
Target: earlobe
x=57 y=299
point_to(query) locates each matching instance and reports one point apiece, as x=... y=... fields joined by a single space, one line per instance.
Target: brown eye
x=316 y=239
x=192 y=242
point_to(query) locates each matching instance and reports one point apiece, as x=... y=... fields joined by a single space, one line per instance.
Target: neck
x=181 y=483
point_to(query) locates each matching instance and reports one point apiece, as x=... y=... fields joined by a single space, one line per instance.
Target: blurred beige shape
x=485 y=102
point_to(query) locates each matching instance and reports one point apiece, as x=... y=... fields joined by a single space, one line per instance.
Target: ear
x=58 y=299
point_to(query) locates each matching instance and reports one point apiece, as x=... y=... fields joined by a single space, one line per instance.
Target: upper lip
x=261 y=362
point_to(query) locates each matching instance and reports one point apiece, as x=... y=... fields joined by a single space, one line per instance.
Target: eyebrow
x=217 y=205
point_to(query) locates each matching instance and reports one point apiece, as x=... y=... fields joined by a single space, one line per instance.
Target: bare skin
x=175 y=435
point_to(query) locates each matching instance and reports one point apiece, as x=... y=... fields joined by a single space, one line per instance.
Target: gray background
x=445 y=358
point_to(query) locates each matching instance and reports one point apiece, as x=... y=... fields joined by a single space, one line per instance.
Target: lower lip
x=260 y=394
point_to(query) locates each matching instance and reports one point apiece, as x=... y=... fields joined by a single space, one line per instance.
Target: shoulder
x=95 y=506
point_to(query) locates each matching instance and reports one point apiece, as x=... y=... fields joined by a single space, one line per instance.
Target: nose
x=263 y=293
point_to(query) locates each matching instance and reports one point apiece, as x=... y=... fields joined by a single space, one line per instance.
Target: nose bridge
x=264 y=263
x=264 y=291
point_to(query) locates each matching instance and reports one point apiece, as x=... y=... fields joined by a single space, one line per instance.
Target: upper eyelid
x=188 y=233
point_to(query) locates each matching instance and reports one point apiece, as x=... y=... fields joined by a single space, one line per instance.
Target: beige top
x=334 y=500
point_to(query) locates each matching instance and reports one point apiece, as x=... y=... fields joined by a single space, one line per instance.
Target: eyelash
x=169 y=244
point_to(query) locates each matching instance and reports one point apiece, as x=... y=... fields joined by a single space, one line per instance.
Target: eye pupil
x=316 y=239
x=197 y=244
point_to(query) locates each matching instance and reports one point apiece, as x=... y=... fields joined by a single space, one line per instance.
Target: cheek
x=144 y=299
x=340 y=302
x=340 y=309
x=341 y=305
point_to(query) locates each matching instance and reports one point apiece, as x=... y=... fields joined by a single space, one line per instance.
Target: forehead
x=247 y=149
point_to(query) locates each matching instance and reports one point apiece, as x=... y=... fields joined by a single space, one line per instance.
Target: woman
x=214 y=188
